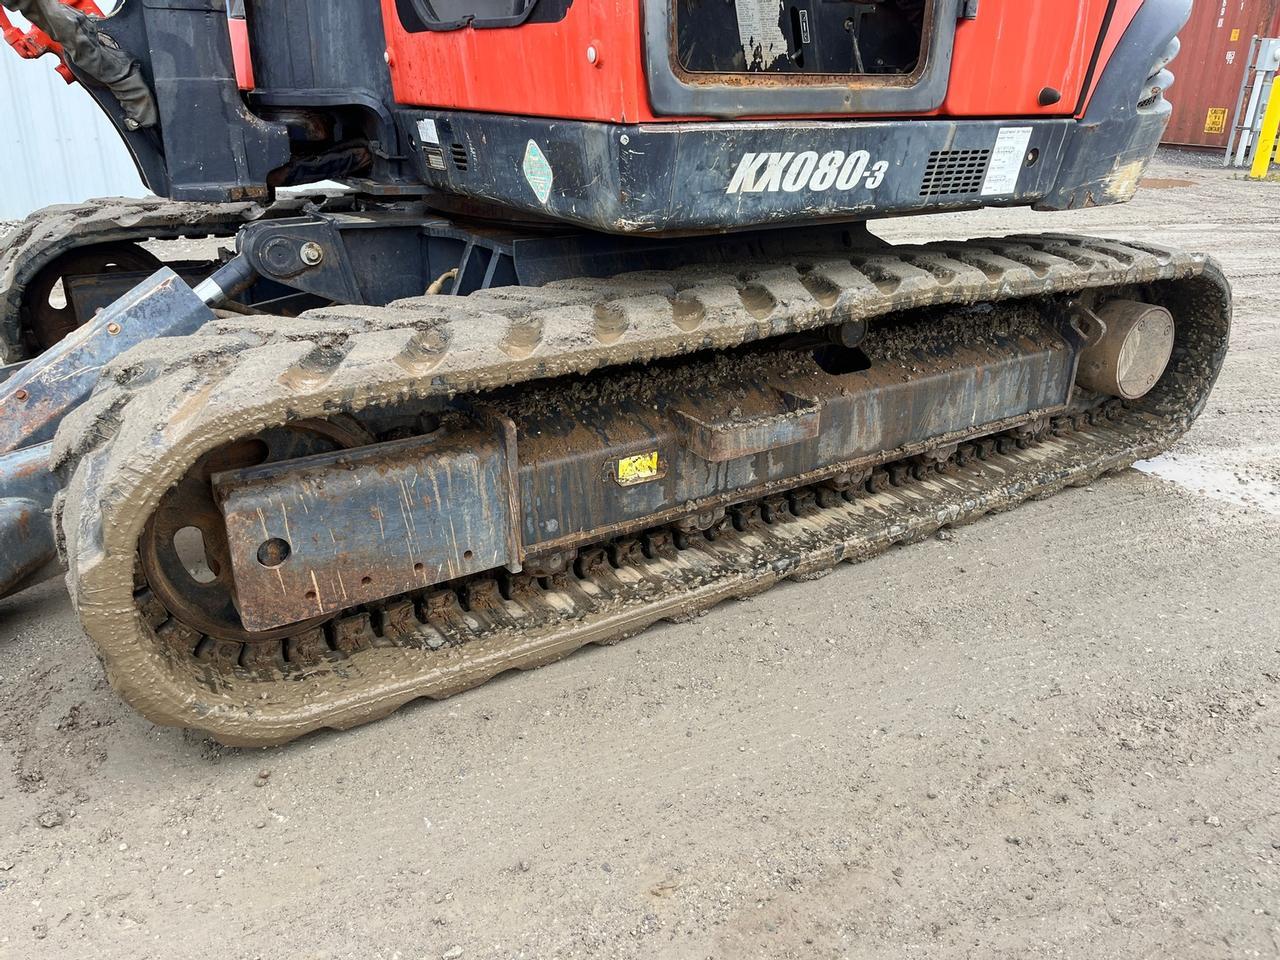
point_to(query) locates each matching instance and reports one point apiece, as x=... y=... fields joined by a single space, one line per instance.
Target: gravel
x=1186 y=157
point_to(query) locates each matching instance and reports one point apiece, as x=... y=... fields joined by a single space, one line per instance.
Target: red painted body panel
x=1002 y=60
x=1015 y=48
x=1124 y=13
x=240 y=53
x=536 y=69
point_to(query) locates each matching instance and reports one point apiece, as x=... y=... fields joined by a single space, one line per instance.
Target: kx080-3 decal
x=808 y=170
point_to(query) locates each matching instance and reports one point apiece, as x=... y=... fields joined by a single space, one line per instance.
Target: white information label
x=1007 y=158
x=760 y=30
x=427 y=131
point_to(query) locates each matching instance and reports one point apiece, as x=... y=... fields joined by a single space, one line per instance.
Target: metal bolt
x=20 y=395
x=592 y=55
x=312 y=253
x=113 y=328
x=131 y=124
x=624 y=139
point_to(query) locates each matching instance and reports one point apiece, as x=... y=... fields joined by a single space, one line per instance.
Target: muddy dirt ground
x=1056 y=734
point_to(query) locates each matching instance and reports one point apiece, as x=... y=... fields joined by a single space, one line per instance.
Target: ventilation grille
x=458 y=153
x=954 y=172
x=434 y=156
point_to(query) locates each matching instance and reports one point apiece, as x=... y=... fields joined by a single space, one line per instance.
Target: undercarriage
x=595 y=334
x=276 y=526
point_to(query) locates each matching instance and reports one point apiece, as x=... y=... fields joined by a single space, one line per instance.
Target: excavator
x=526 y=324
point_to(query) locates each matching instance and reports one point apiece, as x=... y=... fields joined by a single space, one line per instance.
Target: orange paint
x=1002 y=60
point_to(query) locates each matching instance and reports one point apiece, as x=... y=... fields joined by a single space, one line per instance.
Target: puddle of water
x=1215 y=479
x=1164 y=183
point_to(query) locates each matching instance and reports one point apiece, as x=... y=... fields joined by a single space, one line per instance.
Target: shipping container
x=1208 y=71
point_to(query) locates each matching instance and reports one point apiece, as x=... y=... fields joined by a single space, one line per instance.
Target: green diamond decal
x=537 y=171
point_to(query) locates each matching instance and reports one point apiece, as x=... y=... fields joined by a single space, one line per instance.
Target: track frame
x=157 y=411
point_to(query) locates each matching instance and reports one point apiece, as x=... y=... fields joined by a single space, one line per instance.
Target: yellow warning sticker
x=1216 y=121
x=638 y=469
x=1235 y=34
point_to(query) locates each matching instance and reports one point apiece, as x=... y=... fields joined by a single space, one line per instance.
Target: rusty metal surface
x=183 y=551
x=1132 y=352
x=1211 y=64
x=35 y=399
x=316 y=536
x=744 y=424
x=739 y=436
x=675 y=91
x=26 y=474
x=26 y=543
x=27 y=488
x=368 y=662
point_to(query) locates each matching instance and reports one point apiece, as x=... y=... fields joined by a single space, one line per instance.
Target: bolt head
x=20 y=395
x=592 y=54
x=311 y=253
x=113 y=328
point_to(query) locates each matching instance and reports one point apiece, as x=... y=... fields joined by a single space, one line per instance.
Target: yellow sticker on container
x=1216 y=121
x=1235 y=34
x=638 y=469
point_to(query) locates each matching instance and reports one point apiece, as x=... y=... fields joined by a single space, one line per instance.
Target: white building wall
x=56 y=146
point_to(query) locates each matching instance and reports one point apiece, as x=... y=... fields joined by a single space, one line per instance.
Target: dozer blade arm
x=35 y=399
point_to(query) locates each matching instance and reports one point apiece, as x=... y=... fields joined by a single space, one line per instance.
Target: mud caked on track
x=160 y=409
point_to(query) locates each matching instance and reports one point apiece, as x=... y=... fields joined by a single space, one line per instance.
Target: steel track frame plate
x=313 y=536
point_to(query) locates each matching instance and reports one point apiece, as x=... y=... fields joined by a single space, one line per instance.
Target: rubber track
x=160 y=407
x=52 y=231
